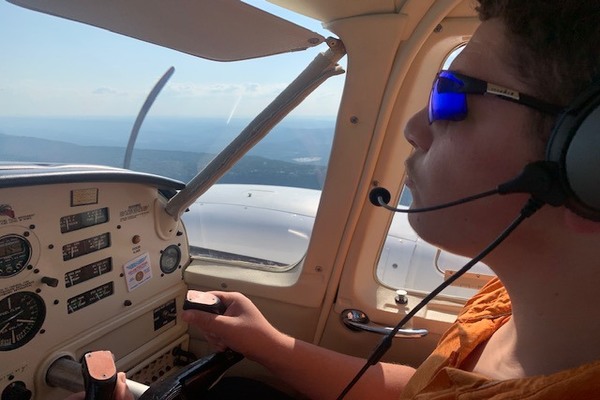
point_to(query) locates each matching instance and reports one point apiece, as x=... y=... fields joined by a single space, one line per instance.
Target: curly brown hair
x=558 y=43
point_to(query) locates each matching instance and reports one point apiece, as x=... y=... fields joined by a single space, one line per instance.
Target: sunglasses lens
x=445 y=102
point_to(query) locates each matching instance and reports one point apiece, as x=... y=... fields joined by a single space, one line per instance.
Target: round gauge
x=21 y=317
x=169 y=259
x=15 y=253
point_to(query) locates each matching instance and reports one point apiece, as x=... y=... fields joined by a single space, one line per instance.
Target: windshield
x=71 y=93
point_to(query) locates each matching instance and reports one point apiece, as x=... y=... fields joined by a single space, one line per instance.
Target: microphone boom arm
x=540 y=179
x=378 y=197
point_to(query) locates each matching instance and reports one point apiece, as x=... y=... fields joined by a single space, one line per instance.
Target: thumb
x=199 y=319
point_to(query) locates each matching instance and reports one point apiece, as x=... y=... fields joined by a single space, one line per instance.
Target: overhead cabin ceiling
x=223 y=30
x=331 y=10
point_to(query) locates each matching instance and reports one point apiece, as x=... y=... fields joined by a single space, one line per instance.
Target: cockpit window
x=72 y=93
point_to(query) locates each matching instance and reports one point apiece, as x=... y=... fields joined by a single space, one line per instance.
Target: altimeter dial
x=21 y=317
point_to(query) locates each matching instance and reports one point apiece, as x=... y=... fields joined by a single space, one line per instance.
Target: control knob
x=16 y=391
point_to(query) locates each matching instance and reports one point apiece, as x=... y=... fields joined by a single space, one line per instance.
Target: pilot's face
x=455 y=159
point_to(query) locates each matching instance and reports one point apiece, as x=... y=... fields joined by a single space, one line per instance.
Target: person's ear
x=579 y=224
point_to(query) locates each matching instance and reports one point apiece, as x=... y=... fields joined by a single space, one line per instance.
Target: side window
x=408 y=262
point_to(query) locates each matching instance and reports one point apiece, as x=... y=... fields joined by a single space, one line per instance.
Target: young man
x=543 y=342
x=540 y=343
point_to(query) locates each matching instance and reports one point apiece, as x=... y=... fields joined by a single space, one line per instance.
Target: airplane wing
x=224 y=30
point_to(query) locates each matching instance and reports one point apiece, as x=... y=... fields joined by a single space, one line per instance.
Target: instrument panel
x=84 y=267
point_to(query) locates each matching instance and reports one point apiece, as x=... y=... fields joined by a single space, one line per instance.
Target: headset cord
x=528 y=210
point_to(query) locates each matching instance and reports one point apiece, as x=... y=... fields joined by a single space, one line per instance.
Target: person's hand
x=242 y=328
x=121 y=391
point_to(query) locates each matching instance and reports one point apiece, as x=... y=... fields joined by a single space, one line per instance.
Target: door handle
x=358 y=321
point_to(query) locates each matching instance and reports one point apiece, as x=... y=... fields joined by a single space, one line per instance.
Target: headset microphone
x=381 y=197
x=539 y=179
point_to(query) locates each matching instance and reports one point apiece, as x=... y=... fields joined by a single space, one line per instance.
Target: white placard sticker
x=137 y=271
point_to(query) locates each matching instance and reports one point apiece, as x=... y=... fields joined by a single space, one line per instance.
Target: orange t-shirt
x=440 y=376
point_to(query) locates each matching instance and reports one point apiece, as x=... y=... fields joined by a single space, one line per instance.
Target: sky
x=55 y=67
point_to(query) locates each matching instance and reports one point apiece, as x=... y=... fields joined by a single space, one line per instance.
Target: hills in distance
x=176 y=164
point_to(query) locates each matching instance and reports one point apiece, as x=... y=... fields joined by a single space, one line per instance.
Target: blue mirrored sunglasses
x=448 y=97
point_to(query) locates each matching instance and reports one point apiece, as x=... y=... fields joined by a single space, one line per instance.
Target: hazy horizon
x=294 y=153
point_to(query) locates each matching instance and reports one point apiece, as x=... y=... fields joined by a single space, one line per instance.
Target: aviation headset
x=574 y=146
x=570 y=173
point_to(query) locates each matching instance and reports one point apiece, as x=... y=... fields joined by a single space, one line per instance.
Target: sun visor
x=222 y=30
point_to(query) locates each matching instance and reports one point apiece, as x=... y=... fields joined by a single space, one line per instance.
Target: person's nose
x=417 y=131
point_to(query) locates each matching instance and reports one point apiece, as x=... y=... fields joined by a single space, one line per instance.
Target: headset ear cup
x=575 y=146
